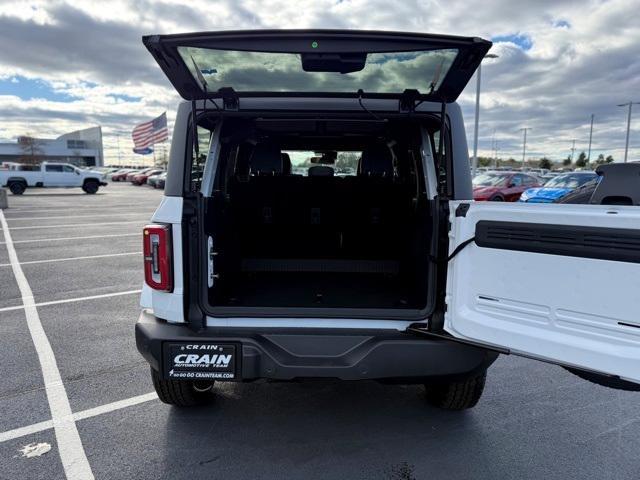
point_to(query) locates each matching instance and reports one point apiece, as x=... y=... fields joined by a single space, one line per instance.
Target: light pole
x=590 y=137
x=626 y=146
x=119 y=159
x=524 y=144
x=573 y=148
x=474 y=164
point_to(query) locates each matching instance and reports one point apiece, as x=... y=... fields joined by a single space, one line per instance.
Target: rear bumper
x=280 y=354
x=103 y=184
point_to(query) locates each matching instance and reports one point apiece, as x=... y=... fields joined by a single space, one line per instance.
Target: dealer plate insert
x=200 y=361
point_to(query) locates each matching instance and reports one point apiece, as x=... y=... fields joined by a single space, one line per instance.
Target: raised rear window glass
x=282 y=72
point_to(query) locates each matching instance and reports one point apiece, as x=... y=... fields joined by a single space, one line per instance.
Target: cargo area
x=319 y=217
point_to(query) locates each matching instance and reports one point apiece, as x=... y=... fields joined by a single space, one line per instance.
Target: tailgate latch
x=211 y=255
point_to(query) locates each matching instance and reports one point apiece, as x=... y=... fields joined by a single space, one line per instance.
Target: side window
x=516 y=180
x=197 y=162
x=53 y=168
x=529 y=180
x=68 y=169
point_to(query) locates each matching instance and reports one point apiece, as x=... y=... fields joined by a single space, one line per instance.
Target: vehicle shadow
x=318 y=429
x=534 y=421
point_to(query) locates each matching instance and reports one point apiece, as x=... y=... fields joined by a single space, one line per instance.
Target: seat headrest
x=266 y=159
x=376 y=161
x=320 y=171
x=286 y=164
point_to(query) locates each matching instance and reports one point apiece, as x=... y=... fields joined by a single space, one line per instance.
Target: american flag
x=153 y=131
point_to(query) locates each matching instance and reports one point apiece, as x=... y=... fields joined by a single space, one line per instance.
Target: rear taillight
x=156 y=240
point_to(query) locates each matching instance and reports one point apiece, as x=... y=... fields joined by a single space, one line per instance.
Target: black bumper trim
x=288 y=354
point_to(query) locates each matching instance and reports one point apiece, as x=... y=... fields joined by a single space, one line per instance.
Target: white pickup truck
x=18 y=177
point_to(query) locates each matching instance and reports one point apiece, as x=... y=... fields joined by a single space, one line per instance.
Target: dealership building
x=82 y=148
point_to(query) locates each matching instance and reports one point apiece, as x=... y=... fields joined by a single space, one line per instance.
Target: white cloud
x=583 y=60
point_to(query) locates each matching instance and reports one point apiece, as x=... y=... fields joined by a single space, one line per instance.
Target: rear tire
x=90 y=187
x=497 y=198
x=458 y=395
x=182 y=393
x=17 y=188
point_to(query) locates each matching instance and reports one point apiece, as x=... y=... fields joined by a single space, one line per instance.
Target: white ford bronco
x=318 y=222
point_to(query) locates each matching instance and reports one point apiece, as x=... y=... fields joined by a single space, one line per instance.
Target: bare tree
x=31 y=150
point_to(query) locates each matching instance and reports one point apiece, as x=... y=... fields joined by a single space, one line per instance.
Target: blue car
x=557 y=187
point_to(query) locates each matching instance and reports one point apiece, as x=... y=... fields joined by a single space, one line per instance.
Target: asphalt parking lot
x=80 y=255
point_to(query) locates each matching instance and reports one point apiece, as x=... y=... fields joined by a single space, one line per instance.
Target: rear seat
x=377 y=210
x=322 y=199
x=279 y=215
x=254 y=200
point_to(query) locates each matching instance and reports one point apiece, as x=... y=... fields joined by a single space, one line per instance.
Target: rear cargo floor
x=342 y=290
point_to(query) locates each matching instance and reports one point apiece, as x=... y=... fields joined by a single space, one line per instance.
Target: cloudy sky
x=67 y=65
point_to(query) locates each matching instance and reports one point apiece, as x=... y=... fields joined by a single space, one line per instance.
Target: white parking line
x=82 y=208
x=116 y=214
x=110 y=407
x=74 y=460
x=23 y=431
x=78 y=225
x=71 y=300
x=75 y=238
x=92 y=412
x=87 y=257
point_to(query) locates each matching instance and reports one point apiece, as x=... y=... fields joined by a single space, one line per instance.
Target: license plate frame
x=202 y=361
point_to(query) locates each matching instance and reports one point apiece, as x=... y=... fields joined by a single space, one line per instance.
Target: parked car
x=557 y=187
x=502 y=186
x=548 y=176
x=141 y=178
x=105 y=171
x=50 y=175
x=538 y=172
x=616 y=184
x=580 y=195
x=392 y=273
x=129 y=176
x=155 y=180
x=121 y=175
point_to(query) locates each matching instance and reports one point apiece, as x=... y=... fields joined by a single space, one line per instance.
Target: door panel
x=556 y=282
x=70 y=177
x=53 y=176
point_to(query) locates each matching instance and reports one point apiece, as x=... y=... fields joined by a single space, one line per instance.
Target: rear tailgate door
x=317 y=63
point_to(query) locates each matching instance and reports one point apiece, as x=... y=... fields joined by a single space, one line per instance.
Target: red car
x=502 y=186
x=141 y=178
x=121 y=175
x=133 y=173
